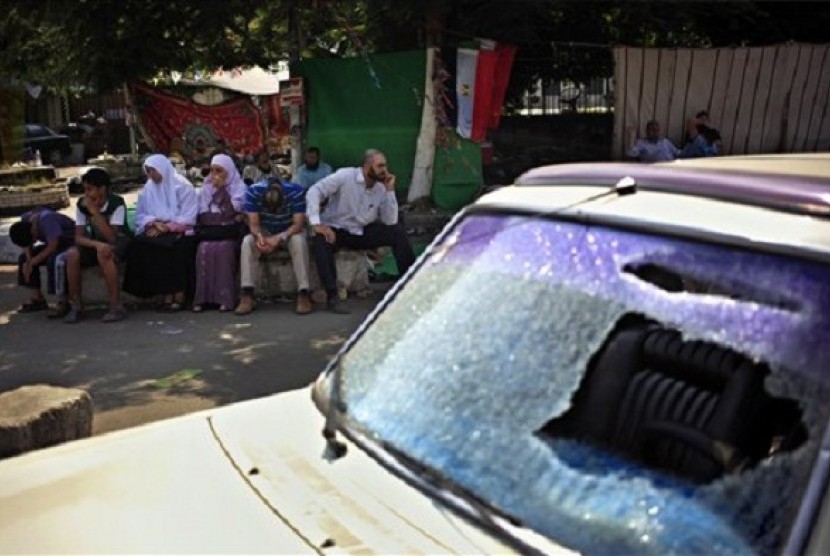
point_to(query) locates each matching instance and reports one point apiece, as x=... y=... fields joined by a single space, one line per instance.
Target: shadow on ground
x=157 y=365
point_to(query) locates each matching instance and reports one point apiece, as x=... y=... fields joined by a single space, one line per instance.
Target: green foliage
x=66 y=44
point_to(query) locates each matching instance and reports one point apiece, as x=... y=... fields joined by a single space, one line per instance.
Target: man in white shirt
x=653 y=148
x=361 y=212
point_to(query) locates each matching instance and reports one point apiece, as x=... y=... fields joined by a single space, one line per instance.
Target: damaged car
x=601 y=358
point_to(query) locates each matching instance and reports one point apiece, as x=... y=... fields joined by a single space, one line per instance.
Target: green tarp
x=376 y=102
x=359 y=103
x=457 y=175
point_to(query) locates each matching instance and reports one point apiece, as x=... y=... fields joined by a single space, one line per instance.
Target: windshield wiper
x=336 y=449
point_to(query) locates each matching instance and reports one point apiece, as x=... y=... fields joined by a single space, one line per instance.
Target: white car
x=602 y=358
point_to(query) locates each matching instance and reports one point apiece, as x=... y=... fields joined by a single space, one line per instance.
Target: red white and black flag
x=479 y=78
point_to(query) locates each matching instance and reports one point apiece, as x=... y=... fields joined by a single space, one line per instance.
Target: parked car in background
x=603 y=358
x=53 y=146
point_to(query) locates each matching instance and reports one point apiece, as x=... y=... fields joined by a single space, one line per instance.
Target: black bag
x=218 y=232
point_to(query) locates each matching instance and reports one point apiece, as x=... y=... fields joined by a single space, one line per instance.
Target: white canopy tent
x=254 y=81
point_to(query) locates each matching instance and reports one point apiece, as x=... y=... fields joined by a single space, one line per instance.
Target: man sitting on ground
x=653 y=148
x=275 y=210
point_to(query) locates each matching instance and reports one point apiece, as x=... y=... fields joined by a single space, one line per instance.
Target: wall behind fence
x=765 y=99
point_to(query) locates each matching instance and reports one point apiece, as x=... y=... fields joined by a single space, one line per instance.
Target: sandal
x=60 y=310
x=33 y=306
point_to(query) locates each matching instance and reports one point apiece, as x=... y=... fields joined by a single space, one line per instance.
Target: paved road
x=155 y=365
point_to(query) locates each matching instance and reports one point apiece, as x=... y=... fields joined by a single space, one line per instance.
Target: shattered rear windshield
x=490 y=342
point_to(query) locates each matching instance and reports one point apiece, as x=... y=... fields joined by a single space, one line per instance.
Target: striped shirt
x=274 y=223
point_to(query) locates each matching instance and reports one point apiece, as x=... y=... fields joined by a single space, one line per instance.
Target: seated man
x=276 y=217
x=706 y=143
x=43 y=234
x=263 y=169
x=312 y=170
x=101 y=233
x=653 y=148
x=361 y=213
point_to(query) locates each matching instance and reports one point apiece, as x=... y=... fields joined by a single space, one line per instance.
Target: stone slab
x=277 y=274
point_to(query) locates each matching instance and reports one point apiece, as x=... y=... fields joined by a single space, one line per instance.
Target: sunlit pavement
x=157 y=365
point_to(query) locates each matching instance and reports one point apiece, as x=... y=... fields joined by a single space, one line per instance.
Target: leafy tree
x=64 y=44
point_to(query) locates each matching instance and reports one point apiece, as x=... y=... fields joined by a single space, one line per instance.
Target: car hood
x=246 y=478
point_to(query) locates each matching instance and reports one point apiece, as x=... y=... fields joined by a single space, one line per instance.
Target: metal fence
x=552 y=97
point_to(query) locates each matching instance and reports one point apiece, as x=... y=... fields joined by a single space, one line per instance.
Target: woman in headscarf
x=160 y=258
x=220 y=214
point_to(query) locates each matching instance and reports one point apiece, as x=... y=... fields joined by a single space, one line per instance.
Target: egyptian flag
x=481 y=78
x=465 y=86
x=485 y=72
x=503 y=64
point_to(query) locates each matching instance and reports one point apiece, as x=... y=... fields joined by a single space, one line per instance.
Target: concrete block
x=40 y=415
x=277 y=274
x=94 y=288
x=9 y=252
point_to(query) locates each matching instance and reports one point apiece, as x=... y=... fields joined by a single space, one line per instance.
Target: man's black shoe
x=334 y=306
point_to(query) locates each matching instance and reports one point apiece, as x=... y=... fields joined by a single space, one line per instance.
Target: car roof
x=797 y=183
x=801 y=164
x=770 y=202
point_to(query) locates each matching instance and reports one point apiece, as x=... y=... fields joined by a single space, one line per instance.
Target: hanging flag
x=465 y=90
x=485 y=70
x=479 y=78
x=505 y=55
x=445 y=85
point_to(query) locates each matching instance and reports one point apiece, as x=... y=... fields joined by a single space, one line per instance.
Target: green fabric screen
x=376 y=102
x=457 y=175
x=358 y=103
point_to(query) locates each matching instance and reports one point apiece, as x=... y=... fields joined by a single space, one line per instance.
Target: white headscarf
x=172 y=200
x=235 y=185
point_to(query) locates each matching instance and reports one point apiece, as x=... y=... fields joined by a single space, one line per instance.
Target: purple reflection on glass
x=769 y=307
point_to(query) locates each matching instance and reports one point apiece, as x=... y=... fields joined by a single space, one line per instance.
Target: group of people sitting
x=701 y=140
x=189 y=245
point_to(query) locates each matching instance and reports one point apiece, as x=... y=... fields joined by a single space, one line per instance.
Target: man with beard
x=262 y=170
x=361 y=212
x=313 y=170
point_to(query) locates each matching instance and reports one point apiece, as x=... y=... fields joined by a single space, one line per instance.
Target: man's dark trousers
x=374 y=235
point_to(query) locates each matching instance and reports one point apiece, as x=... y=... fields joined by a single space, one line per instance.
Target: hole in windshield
x=693 y=410
x=673 y=281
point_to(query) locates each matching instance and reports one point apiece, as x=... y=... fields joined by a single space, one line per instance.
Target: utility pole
x=294 y=111
x=423 y=165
